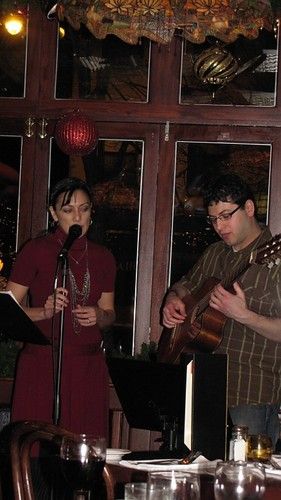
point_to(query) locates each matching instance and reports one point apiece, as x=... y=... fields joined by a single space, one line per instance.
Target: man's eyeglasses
x=223 y=217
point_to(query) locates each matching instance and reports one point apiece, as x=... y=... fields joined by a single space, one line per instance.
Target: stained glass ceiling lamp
x=159 y=20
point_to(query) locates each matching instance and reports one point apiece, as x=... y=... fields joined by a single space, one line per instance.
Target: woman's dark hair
x=227 y=188
x=68 y=186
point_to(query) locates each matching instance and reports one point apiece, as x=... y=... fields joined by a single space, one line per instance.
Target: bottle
x=238 y=443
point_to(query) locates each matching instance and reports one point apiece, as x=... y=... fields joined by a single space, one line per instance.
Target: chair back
x=24 y=435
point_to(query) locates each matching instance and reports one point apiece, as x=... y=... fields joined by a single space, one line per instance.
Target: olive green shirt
x=254 y=374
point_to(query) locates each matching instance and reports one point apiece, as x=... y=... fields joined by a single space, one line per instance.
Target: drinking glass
x=172 y=485
x=135 y=491
x=239 y=481
x=82 y=462
x=259 y=447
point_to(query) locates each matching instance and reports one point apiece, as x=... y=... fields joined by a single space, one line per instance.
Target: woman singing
x=88 y=304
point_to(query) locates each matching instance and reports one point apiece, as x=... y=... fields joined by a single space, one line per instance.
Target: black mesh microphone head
x=75 y=230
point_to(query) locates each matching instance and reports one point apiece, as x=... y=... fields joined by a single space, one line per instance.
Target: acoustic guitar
x=202 y=330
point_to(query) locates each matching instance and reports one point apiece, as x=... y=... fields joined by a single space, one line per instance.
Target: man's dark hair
x=227 y=188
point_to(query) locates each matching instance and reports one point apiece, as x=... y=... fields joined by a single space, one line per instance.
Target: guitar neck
x=228 y=281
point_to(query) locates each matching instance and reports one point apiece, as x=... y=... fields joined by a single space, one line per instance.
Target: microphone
x=74 y=232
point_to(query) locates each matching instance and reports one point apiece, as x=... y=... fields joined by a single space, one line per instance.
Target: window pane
x=106 y=70
x=196 y=163
x=242 y=73
x=12 y=61
x=10 y=162
x=114 y=170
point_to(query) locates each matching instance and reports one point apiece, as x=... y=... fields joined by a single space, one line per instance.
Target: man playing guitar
x=251 y=330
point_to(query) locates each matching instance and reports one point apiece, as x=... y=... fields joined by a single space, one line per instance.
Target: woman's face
x=77 y=211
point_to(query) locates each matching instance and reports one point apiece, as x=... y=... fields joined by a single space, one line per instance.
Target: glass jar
x=238 y=443
x=239 y=480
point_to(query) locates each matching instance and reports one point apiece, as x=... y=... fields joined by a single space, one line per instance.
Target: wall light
x=14 y=23
x=61 y=32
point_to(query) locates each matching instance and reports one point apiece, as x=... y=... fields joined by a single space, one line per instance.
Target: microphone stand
x=63 y=262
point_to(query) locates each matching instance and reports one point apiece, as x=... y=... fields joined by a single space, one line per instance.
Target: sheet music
x=8 y=292
x=188 y=405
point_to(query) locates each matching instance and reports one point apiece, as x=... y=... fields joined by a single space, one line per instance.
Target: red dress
x=84 y=380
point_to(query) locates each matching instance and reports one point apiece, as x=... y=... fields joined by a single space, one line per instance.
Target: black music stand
x=190 y=411
x=16 y=325
x=152 y=397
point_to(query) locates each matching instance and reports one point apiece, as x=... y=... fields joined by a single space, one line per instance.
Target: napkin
x=271 y=471
x=200 y=465
x=115 y=454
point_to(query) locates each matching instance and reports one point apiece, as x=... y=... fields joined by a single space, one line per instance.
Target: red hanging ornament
x=76 y=134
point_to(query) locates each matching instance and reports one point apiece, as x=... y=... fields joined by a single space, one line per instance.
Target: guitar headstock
x=269 y=254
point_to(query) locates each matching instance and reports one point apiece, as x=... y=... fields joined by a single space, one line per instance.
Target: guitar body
x=195 y=334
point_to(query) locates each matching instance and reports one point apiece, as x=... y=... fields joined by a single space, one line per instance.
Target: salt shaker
x=238 y=443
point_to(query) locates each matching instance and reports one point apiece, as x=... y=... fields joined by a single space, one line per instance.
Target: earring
x=53 y=223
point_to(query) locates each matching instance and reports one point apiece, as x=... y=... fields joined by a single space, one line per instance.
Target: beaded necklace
x=85 y=251
x=79 y=295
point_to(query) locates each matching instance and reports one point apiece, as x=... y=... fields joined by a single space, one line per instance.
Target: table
x=123 y=475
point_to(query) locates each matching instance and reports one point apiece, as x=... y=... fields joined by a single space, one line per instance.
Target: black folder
x=16 y=325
